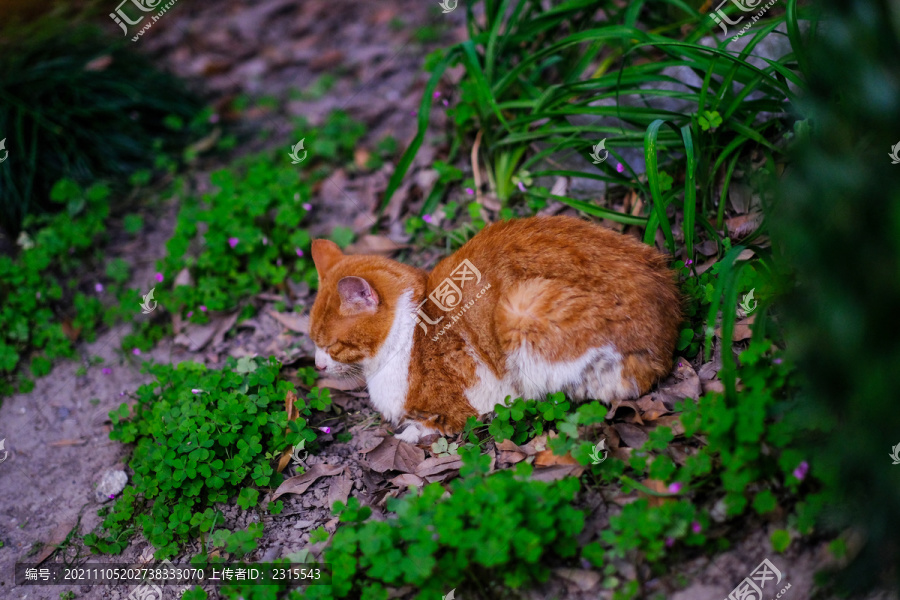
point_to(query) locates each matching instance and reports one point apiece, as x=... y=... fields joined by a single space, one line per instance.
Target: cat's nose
x=321 y=360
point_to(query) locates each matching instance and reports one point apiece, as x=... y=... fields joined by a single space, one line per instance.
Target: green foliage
x=201 y=437
x=647 y=529
x=521 y=420
x=738 y=430
x=39 y=287
x=77 y=104
x=534 y=90
x=837 y=220
x=497 y=530
x=247 y=234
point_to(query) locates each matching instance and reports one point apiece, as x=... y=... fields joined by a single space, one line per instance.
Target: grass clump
x=247 y=235
x=44 y=306
x=490 y=533
x=202 y=437
x=76 y=104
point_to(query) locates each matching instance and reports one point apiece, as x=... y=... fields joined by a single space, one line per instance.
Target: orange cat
x=525 y=308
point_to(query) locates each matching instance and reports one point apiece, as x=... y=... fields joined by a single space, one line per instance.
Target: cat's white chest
x=387 y=373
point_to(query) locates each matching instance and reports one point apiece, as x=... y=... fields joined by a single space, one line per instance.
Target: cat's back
x=551 y=247
x=553 y=303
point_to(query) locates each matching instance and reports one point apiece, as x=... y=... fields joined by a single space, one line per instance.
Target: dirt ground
x=57 y=436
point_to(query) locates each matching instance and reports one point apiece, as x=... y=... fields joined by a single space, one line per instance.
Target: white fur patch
x=489 y=391
x=596 y=374
x=387 y=373
x=414 y=432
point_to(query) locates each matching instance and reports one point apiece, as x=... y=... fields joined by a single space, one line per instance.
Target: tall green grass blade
x=592 y=209
x=690 y=192
x=659 y=207
x=424 y=112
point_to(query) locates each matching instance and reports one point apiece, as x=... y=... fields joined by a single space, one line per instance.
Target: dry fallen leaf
x=682 y=383
x=744 y=225
x=505 y=456
x=557 y=472
x=535 y=445
x=657 y=486
x=57 y=537
x=546 y=458
x=71 y=332
x=196 y=336
x=408 y=479
x=713 y=385
x=300 y=483
x=438 y=465
x=625 y=406
x=741 y=330
x=339 y=490
x=673 y=422
x=361 y=158
x=292 y=414
x=651 y=408
x=583 y=579
x=632 y=435
x=395 y=455
x=293 y=321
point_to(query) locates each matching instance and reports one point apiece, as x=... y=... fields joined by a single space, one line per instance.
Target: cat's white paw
x=414 y=432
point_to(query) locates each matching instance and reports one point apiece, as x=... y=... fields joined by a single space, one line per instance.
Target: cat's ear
x=325 y=254
x=357 y=296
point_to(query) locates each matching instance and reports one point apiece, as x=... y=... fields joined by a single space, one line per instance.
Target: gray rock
x=111 y=484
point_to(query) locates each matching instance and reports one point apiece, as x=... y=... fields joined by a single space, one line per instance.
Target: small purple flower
x=106 y=370
x=265 y=241
x=112 y=496
x=414 y=113
x=278 y=262
x=121 y=393
x=674 y=488
x=325 y=429
x=445 y=103
x=437 y=94
x=521 y=186
x=98 y=287
x=159 y=277
x=298 y=251
x=306 y=206
x=136 y=351
x=470 y=191
x=427 y=218
x=190 y=314
x=801 y=470
x=777 y=361
x=696 y=527
x=233 y=241
x=670 y=542
x=37 y=295
x=214 y=118
x=203 y=308
x=195 y=391
x=620 y=168
x=679 y=365
x=689 y=262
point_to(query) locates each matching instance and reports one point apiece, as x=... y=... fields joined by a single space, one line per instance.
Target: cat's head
x=355 y=306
